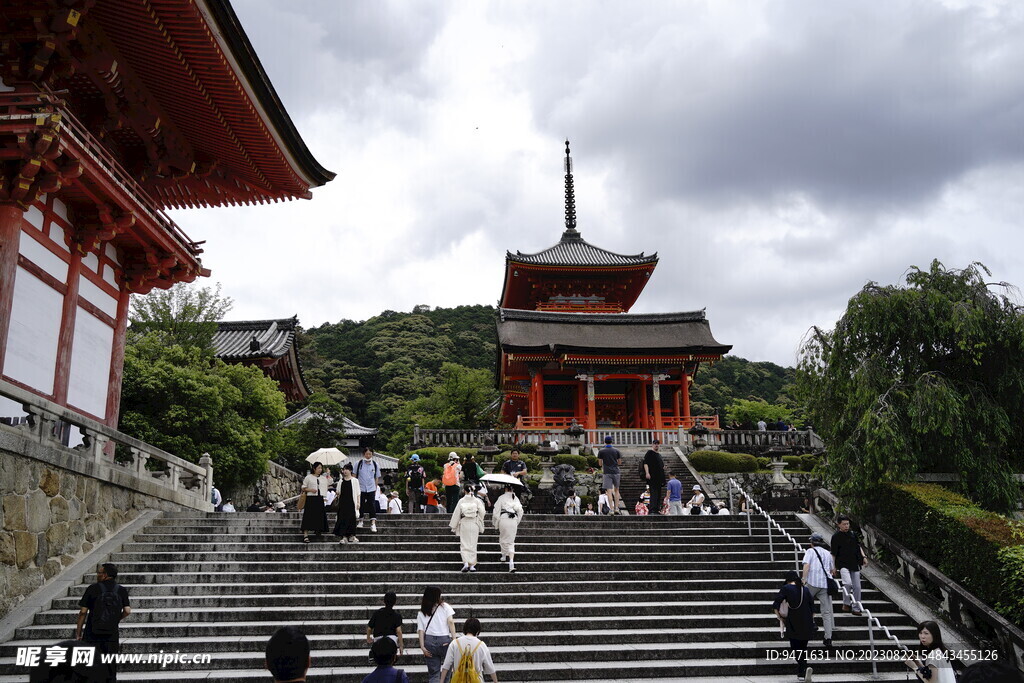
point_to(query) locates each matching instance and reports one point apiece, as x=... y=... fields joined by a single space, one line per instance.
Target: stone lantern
x=699 y=433
x=574 y=431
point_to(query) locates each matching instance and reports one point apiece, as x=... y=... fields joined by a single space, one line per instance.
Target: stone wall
x=758 y=483
x=279 y=483
x=56 y=505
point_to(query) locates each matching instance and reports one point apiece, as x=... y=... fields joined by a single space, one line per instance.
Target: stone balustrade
x=57 y=502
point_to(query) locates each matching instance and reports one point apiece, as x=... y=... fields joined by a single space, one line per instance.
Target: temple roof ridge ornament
x=572 y=249
x=571 y=233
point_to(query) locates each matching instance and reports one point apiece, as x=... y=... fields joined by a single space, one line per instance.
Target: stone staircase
x=595 y=598
x=631 y=485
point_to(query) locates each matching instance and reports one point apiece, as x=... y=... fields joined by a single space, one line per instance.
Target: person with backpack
x=386 y=623
x=472 y=471
x=415 y=478
x=215 y=498
x=468 y=523
x=452 y=479
x=102 y=607
x=474 y=659
x=604 y=506
x=435 y=625
x=817 y=577
x=508 y=512
x=367 y=471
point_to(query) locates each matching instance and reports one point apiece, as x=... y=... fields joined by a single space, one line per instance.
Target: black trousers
x=105 y=646
x=656 y=495
x=368 y=503
x=800 y=654
x=451 y=493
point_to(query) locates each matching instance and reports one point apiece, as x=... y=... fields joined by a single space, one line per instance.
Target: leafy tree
x=187 y=402
x=463 y=398
x=928 y=376
x=749 y=412
x=186 y=314
x=324 y=429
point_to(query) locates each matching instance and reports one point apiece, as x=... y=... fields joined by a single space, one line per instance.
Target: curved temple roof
x=616 y=333
x=250 y=339
x=573 y=250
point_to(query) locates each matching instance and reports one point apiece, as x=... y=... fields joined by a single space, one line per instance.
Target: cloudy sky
x=776 y=155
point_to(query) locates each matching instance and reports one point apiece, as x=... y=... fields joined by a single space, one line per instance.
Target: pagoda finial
x=570 y=197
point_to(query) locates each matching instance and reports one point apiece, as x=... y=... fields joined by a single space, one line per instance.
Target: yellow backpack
x=464 y=671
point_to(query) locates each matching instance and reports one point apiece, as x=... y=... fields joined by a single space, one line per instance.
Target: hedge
x=719 y=461
x=578 y=462
x=974 y=547
x=532 y=461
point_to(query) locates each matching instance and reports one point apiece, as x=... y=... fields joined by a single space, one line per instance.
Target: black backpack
x=415 y=476
x=640 y=470
x=106 y=610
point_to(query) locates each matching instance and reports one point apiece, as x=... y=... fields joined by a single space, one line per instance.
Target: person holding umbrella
x=508 y=512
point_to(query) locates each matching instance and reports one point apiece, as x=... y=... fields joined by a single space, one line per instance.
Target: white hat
x=696 y=487
x=453 y=456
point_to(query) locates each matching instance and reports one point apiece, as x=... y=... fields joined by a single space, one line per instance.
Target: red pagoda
x=570 y=349
x=112 y=112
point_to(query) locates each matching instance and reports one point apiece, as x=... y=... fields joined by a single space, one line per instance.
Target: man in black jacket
x=654 y=472
x=849 y=558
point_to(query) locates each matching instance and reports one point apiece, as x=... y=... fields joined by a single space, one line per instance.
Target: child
x=383 y=653
x=590 y=509
x=386 y=623
x=604 y=506
x=640 y=508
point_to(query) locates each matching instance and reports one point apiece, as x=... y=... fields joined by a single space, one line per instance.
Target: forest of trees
x=436 y=367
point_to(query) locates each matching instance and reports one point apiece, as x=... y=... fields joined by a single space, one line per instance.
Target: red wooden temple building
x=112 y=112
x=570 y=349
x=268 y=345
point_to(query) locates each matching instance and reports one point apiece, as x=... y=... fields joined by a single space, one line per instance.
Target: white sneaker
x=343 y=540
x=503 y=558
x=353 y=539
x=373 y=527
x=465 y=568
x=472 y=568
x=359 y=524
x=809 y=676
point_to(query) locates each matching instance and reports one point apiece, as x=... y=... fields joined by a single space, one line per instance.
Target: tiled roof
x=613 y=333
x=573 y=250
x=244 y=339
x=351 y=428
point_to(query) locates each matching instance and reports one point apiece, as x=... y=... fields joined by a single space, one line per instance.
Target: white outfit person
x=508 y=512
x=468 y=523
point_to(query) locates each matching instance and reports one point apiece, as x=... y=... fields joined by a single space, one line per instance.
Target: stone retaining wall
x=758 y=483
x=277 y=484
x=54 y=507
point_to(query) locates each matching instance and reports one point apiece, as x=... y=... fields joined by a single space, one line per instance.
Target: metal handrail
x=797 y=548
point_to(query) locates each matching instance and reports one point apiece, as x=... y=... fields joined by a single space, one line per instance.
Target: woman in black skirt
x=314 y=514
x=348 y=506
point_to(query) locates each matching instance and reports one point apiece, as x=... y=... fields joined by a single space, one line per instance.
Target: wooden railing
x=44 y=421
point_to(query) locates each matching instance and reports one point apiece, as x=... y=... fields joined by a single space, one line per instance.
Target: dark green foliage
x=925 y=377
x=719 y=461
x=792 y=462
x=523 y=447
x=763 y=462
x=593 y=461
x=187 y=402
x=532 y=461
x=722 y=384
x=809 y=462
x=323 y=429
x=578 y=462
x=980 y=549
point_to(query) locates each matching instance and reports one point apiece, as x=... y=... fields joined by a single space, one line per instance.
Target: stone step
x=410 y=602
x=756 y=625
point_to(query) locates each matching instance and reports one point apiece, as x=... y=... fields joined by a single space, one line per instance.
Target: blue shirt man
x=368 y=474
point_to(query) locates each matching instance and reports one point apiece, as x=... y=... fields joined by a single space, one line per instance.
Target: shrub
x=719 y=461
x=593 y=461
x=763 y=463
x=532 y=461
x=578 y=462
x=792 y=462
x=809 y=462
x=972 y=546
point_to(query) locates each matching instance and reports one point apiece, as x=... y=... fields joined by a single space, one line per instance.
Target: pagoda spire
x=570 y=199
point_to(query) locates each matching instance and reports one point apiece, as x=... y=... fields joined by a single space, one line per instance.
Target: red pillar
x=66 y=340
x=117 y=361
x=10 y=236
x=644 y=422
x=536 y=394
x=581 y=402
x=676 y=412
x=686 y=395
x=591 y=405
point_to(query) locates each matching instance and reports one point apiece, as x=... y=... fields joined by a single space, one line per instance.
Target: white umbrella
x=327 y=456
x=501 y=479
